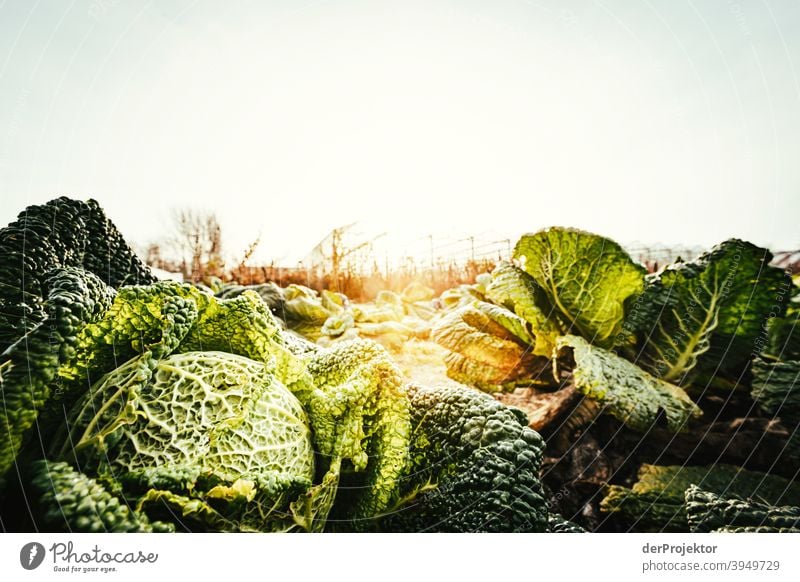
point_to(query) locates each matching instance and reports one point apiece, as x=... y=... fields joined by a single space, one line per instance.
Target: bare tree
x=197 y=242
x=153 y=255
x=340 y=251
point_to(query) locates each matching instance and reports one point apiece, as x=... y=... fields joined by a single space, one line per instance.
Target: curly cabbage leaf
x=359 y=413
x=423 y=310
x=389 y=299
x=706 y=315
x=487 y=348
x=210 y=433
x=416 y=292
x=153 y=318
x=390 y=334
x=336 y=325
x=558 y=524
x=269 y=292
x=169 y=317
x=776 y=388
x=588 y=279
x=517 y=291
x=63 y=233
x=28 y=368
x=459 y=296
x=783 y=333
x=708 y=512
x=379 y=312
x=491 y=379
x=511 y=322
x=303 y=310
x=59 y=263
x=656 y=502
x=333 y=301
x=482 y=281
x=68 y=501
x=245 y=326
x=473 y=333
x=474 y=467
x=626 y=391
x=294 y=291
x=298 y=346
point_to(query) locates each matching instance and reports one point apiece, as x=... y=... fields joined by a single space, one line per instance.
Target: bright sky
x=661 y=121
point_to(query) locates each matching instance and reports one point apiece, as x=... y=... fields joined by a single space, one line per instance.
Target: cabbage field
x=568 y=390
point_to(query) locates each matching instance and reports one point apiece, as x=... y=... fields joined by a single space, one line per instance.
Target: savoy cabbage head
x=213 y=436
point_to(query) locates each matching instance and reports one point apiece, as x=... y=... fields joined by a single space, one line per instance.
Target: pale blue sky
x=668 y=121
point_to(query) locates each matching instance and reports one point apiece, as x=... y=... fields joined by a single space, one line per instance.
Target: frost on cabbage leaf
x=626 y=391
x=360 y=415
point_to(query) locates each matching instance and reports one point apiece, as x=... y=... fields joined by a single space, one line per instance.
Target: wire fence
x=439 y=262
x=360 y=263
